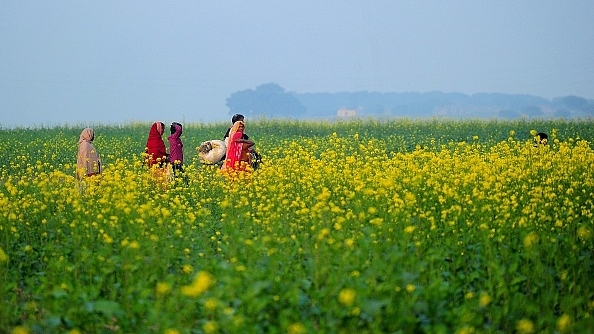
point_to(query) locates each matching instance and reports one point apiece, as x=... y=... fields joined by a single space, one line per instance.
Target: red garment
x=155 y=146
x=234 y=150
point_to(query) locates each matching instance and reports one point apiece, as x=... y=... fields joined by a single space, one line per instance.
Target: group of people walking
x=238 y=150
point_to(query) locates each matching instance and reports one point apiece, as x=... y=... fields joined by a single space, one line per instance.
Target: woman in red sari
x=237 y=149
x=155 y=151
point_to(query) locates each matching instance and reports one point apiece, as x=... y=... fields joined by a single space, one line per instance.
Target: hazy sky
x=82 y=62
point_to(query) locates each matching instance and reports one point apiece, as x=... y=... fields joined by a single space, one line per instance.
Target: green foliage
x=366 y=226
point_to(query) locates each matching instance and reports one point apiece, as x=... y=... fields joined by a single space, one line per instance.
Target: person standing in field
x=176 y=153
x=155 y=150
x=254 y=157
x=235 y=118
x=88 y=161
x=237 y=149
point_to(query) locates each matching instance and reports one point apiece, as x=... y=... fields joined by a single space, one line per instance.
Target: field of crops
x=369 y=226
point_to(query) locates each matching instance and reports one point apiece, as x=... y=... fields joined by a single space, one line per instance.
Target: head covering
x=178 y=127
x=235 y=128
x=176 y=153
x=175 y=126
x=155 y=146
x=159 y=127
x=88 y=161
x=156 y=130
x=87 y=135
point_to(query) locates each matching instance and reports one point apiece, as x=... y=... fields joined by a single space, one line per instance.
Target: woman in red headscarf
x=237 y=149
x=155 y=150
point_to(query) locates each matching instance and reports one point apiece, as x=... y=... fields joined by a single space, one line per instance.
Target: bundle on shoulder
x=212 y=151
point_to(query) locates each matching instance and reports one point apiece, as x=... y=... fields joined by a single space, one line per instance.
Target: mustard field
x=361 y=226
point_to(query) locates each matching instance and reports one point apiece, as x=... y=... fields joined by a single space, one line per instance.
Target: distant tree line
x=271 y=100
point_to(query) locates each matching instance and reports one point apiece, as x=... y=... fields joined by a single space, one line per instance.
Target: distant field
x=364 y=226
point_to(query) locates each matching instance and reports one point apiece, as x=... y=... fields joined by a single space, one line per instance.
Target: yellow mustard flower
x=20 y=330
x=186 y=269
x=210 y=304
x=484 y=300
x=530 y=239
x=564 y=323
x=210 y=327
x=347 y=296
x=466 y=330
x=202 y=282
x=296 y=328
x=3 y=256
x=162 y=288
x=525 y=326
x=350 y=242
x=409 y=229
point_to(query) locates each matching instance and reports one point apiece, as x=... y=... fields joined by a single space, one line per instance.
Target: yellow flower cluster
x=347 y=296
x=320 y=214
x=3 y=256
x=201 y=283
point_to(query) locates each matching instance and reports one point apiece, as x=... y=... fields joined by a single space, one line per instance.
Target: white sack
x=212 y=151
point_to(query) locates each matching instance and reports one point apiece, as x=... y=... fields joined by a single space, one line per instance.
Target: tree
x=267 y=99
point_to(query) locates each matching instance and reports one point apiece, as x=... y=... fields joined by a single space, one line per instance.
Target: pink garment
x=176 y=152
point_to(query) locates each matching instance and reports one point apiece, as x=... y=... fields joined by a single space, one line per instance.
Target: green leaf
x=59 y=293
x=517 y=280
x=108 y=308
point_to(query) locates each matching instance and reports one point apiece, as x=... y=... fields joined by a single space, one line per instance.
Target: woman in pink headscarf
x=88 y=162
x=237 y=149
x=155 y=151
x=176 y=152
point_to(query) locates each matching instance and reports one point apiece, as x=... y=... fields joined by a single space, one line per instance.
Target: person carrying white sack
x=213 y=152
